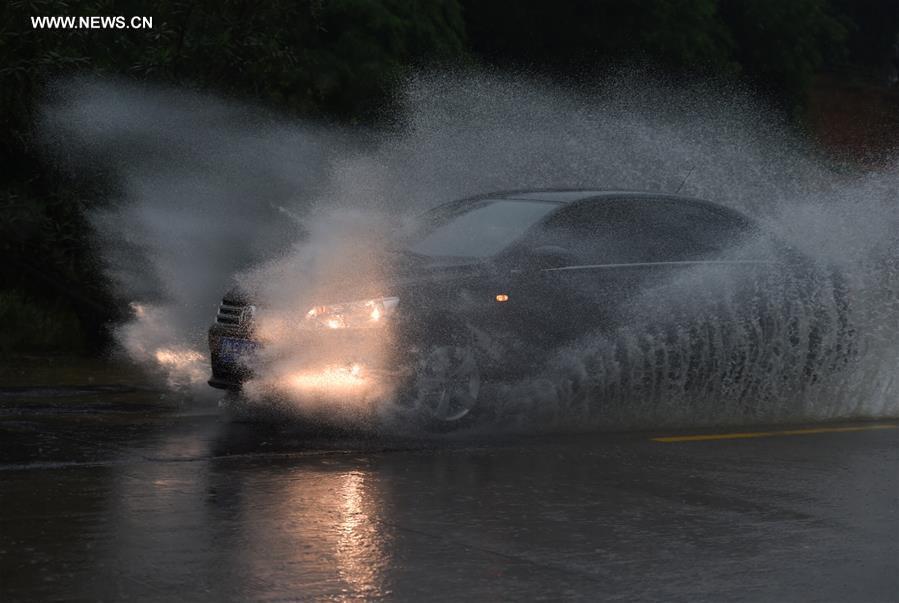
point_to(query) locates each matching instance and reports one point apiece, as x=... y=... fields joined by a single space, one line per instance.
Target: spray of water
x=211 y=193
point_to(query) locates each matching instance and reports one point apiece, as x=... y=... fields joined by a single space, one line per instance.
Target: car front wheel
x=447 y=386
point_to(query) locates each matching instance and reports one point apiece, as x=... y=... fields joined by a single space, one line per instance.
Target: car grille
x=233 y=314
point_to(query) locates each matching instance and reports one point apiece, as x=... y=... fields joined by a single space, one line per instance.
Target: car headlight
x=365 y=313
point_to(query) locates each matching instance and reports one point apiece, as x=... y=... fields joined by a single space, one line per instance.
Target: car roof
x=575 y=196
x=561 y=196
x=571 y=195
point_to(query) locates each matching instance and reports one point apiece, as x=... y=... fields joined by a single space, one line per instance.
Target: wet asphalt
x=121 y=494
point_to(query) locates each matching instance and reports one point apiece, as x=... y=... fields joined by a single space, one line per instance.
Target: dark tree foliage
x=778 y=44
x=782 y=44
x=873 y=31
x=589 y=35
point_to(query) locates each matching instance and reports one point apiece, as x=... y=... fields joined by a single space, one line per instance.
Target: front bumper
x=308 y=352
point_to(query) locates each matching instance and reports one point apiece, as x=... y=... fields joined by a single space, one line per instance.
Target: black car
x=484 y=287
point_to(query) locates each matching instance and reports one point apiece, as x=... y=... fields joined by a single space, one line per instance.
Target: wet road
x=119 y=495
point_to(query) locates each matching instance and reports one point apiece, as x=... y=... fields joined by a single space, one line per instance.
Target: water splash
x=210 y=190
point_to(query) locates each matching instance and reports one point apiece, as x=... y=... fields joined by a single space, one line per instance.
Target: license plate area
x=236 y=351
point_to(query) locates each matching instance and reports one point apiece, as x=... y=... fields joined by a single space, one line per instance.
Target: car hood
x=400 y=272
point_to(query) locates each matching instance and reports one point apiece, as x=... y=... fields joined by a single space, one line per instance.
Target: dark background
x=830 y=65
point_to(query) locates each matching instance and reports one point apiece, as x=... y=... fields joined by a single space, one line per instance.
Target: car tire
x=445 y=388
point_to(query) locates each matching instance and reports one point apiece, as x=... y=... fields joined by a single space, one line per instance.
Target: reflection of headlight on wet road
x=353 y=315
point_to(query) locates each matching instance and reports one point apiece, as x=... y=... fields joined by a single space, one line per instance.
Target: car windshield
x=478 y=231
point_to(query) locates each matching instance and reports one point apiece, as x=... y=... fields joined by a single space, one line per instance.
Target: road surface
x=112 y=495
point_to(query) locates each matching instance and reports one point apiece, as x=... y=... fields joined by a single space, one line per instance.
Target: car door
x=618 y=261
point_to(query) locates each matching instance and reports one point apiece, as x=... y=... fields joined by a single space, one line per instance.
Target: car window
x=478 y=231
x=644 y=230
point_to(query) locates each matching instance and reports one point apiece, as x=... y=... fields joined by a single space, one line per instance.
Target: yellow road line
x=769 y=434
